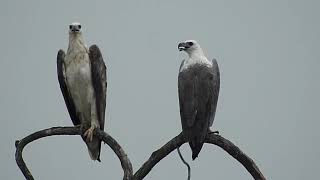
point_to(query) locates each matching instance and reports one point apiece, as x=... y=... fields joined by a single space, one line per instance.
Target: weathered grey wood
x=20 y=144
x=155 y=157
x=211 y=138
x=236 y=153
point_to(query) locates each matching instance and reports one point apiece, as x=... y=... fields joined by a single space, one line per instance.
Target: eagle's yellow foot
x=89 y=133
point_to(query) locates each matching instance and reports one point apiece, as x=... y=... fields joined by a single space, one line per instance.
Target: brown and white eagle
x=82 y=79
x=198 y=84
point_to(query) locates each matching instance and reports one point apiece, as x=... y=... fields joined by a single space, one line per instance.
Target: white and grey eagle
x=82 y=79
x=198 y=84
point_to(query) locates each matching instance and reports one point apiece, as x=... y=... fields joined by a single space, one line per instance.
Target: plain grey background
x=268 y=53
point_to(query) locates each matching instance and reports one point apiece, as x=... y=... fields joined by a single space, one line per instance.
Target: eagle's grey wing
x=187 y=103
x=197 y=97
x=99 y=82
x=185 y=90
x=64 y=89
x=214 y=88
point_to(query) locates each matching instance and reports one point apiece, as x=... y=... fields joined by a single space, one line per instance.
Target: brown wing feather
x=64 y=89
x=99 y=80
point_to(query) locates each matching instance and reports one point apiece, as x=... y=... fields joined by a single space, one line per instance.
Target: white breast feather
x=195 y=60
x=79 y=82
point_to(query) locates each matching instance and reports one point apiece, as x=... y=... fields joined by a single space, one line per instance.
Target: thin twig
x=184 y=162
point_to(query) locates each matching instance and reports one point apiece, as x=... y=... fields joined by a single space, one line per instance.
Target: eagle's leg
x=94 y=122
x=89 y=132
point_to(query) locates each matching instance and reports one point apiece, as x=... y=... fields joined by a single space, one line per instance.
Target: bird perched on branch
x=82 y=79
x=198 y=85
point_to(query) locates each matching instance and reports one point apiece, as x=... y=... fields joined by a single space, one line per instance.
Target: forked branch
x=155 y=157
x=211 y=138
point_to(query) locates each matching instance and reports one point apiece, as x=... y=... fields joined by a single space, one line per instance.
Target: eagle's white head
x=75 y=28
x=196 y=55
x=191 y=47
x=76 y=39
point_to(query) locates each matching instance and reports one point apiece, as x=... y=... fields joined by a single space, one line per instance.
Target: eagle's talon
x=89 y=133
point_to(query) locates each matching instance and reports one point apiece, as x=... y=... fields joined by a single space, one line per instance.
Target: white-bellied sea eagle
x=82 y=79
x=198 y=85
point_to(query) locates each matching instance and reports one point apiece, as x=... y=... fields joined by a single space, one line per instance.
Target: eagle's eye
x=79 y=26
x=190 y=43
x=70 y=26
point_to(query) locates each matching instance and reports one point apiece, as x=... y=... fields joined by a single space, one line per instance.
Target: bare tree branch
x=185 y=163
x=211 y=138
x=158 y=155
x=155 y=157
x=123 y=157
x=236 y=153
x=125 y=162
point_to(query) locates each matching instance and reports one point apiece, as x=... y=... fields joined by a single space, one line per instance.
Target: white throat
x=77 y=49
x=76 y=43
x=195 y=56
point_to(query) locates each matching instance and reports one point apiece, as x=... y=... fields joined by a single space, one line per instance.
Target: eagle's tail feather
x=94 y=148
x=196 y=148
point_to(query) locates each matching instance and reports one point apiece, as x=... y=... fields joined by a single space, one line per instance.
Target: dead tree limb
x=123 y=157
x=155 y=157
x=20 y=144
x=236 y=153
x=211 y=138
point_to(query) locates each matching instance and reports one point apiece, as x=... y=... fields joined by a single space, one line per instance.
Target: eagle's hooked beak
x=75 y=30
x=183 y=46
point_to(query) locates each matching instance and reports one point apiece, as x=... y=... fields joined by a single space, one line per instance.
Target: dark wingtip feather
x=194 y=156
x=94 y=52
x=196 y=148
x=60 y=53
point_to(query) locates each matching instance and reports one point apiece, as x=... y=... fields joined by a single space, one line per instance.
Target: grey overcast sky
x=267 y=50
